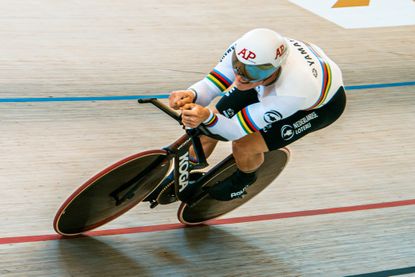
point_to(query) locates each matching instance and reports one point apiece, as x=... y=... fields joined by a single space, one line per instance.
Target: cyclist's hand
x=179 y=98
x=193 y=115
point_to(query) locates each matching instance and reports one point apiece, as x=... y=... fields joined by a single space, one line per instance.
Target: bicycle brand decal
x=183 y=171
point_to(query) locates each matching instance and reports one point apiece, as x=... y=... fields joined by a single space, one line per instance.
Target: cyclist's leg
x=249 y=156
x=249 y=152
x=208 y=145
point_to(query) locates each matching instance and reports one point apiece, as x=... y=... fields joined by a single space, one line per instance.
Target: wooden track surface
x=98 y=48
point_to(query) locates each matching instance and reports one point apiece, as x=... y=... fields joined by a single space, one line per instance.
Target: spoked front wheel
x=209 y=208
x=112 y=192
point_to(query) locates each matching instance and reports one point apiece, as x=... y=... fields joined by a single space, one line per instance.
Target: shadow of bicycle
x=197 y=251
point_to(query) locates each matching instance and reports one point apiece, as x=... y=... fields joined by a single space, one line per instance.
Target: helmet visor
x=252 y=73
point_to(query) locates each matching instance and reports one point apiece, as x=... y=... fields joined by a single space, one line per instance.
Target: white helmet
x=258 y=54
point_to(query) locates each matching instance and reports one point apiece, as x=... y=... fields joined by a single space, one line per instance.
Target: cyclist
x=276 y=90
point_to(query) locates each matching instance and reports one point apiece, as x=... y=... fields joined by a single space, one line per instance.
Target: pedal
x=168 y=194
x=153 y=204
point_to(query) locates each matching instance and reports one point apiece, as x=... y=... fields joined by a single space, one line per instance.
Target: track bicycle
x=123 y=185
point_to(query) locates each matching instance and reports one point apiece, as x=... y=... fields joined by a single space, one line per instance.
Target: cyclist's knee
x=250 y=144
x=243 y=147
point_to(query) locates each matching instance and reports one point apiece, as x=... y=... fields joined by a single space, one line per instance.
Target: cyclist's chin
x=242 y=85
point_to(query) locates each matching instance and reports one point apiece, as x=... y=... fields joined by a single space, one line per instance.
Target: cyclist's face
x=242 y=84
x=241 y=79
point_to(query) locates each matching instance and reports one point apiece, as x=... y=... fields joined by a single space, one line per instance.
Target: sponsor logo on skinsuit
x=228 y=51
x=272 y=116
x=288 y=131
x=229 y=113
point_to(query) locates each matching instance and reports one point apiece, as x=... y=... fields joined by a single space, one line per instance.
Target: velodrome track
x=71 y=74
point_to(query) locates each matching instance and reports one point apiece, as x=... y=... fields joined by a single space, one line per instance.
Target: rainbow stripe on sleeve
x=219 y=80
x=326 y=79
x=212 y=122
x=245 y=120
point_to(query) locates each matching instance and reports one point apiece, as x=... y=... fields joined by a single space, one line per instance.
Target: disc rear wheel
x=209 y=208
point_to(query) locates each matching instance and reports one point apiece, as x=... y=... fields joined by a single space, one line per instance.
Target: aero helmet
x=258 y=54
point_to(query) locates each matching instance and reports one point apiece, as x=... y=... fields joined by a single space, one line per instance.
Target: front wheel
x=209 y=208
x=112 y=192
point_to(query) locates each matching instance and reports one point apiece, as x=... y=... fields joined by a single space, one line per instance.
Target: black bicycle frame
x=180 y=150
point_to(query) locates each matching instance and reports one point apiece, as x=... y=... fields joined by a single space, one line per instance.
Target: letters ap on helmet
x=258 y=54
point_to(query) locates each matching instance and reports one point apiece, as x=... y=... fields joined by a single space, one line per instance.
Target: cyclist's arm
x=216 y=82
x=253 y=117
